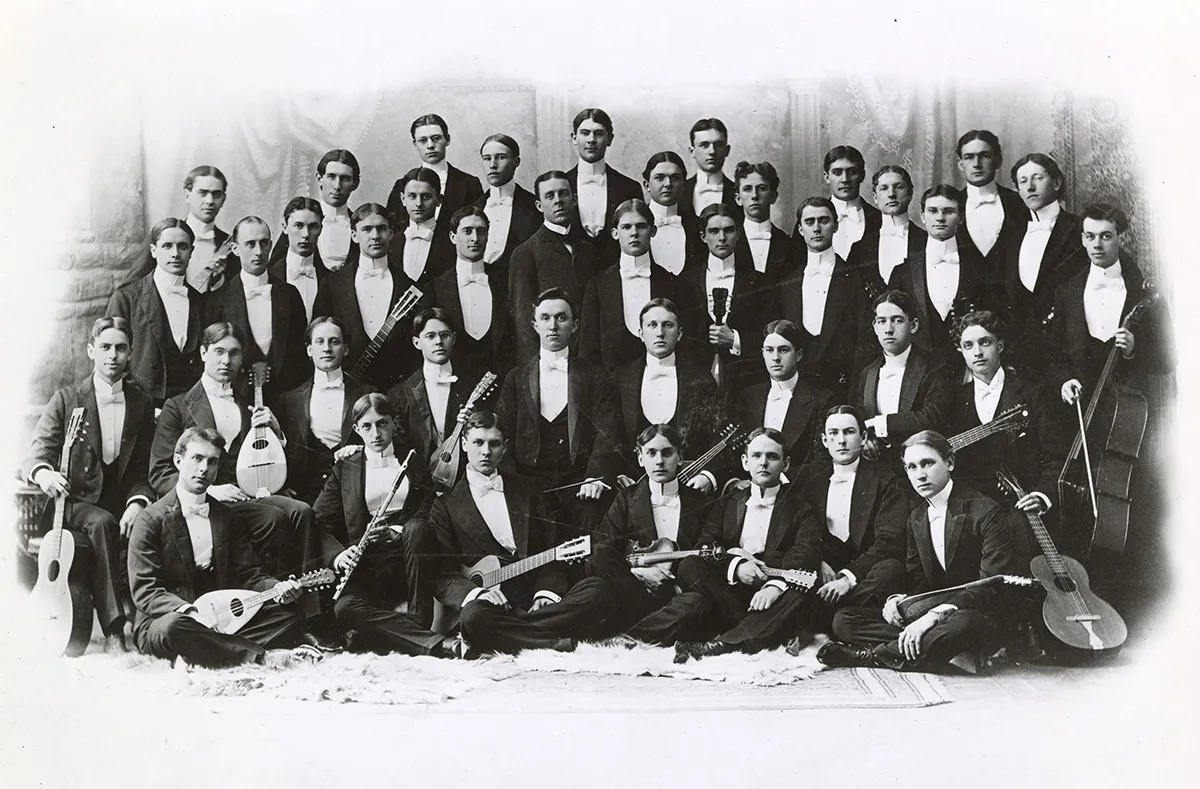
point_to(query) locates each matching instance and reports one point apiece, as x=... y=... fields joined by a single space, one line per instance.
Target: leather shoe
x=835 y=654
x=455 y=648
x=322 y=643
x=688 y=650
x=564 y=645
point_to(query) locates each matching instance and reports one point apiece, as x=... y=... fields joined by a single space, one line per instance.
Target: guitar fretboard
x=519 y=567
x=968 y=437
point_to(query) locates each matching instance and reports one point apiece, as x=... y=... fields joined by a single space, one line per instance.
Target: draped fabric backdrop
x=268 y=146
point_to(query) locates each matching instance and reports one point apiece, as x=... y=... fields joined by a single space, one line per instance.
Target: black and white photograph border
x=107 y=108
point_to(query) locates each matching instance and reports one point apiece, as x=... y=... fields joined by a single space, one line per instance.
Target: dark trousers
x=657 y=616
x=730 y=613
x=964 y=630
x=884 y=579
x=420 y=549
x=177 y=634
x=584 y=612
x=283 y=533
x=97 y=544
x=365 y=604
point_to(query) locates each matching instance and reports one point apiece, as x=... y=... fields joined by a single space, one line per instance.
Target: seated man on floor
x=489 y=514
x=650 y=606
x=187 y=544
x=762 y=527
x=957 y=537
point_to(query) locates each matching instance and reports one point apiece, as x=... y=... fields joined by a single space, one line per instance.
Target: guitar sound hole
x=1064 y=583
x=260 y=444
x=52 y=571
x=236 y=607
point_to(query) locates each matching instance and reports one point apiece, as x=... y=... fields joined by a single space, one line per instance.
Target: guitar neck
x=403 y=306
x=969 y=437
x=509 y=571
x=697 y=465
x=1049 y=549
x=665 y=556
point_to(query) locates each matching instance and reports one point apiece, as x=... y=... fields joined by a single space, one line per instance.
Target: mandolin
x=261 y=462
x=731 y=436
x=1072 y=612
x=228 y=610
x=62 y=603
x=1013 y=420
x=491 y=571
x=447 y=458
x=404 y=305
x=664 y=550
x=801 y=579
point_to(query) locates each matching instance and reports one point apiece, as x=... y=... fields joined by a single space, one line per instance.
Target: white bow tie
x=762 y=502
x=339 y=384
x=302 y=271
x=423 y=233
x=758 y=235
x=778 y=394
x=496 y=484
x=660 y=372
x=372 y=272
x=383 y=461
x=498 y=200
x=975 y=202
x=664 y=501
x=820 y=269
x=585 y=180
x=444 y=380
x=260 y=292
x=225 y=393
x=554 y=364
x=112 y=399
x=839 y=479
x=207 y=235
x=707 y=188
x=336 y=219
x=196 y=509
x=950 y=258
x=722 y=275
x=1104 y=283
x=669 y=221
x=176 y=290
x=851 y=215
x=1039 y=226
x=634 y=272
x=467 y=279
x=890 y=372
x=892 y=229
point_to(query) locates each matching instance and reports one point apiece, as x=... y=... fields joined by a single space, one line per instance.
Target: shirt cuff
x=736 y=350
x=778 y=584
x=881 y=426
x=145 y=502
x=186 y=608
x=546 y=594
x=731 y=575
x=471 y=595
x=944 y=608
x=1044 y=498
x=33 y=471
x=708 y=475
x=850 y=577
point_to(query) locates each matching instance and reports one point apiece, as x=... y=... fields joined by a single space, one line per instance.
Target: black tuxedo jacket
x=287 y=359
x=337 y=296
x=526 y=219
x=1016 y=215
x=603 y=337
x=872 y=219
x=87 y=456
x=780 y=262
x=864 y=257
x=162 y=566
x=926 y=391
x=593 y=421
x=1076 y=354
x=630 y=519
x=748 y=311
x=140 y=304
x=699 y=408
x=463 y=538
x=979 y=543
x=440 y=259
x=308 y=458
x=543 y=261
x=687 y=201
x=190 y=409
x=497 y=351
x=619 y=188
x=459 y=190
x=878 y=511
x=803 y=423
x=416 y=420
x=793 y=536
x=1064 y=257
x=845 y=342
x=277 y=266
x=341 y=509
x=933 y=336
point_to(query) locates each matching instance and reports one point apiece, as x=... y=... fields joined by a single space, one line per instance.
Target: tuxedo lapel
x=424 y=413
x=835 y=304
x=354 y=496
x=353 y=390
x=156 y=322
x=91 y=416
x=955 y=519
x=797 y=414
x=533 y=389
x=781 y=518
x=914 y=373
x=220 y=544
x=871 y=389
x=574 y=394
x=279 y=328
x=518 y=516
x=641 y=513
x=177 y=526
x=924 y=542
x=200 y=409
x=136 y=403
x=631 y=394
x=735 y=516
x=920 y=285
x=861 y=498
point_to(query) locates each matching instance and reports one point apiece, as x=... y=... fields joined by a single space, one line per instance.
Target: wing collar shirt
x=258 y=308
x=204 y=248
x=475 y=296
x=660 y=389
x=664 y=507
x=373 y=287
x=173 y=292
x=379 y=474
x=669 y=243
x=818 y=274
x=418 y=238
x=195 y=511
x=325 y=406
x=1033 y=245
x=852 y=224
x=110 y=402
x=893 y=244
x=987 y=396
x=779 y=398
x=985 y=215
x=937 y=521
x=334 y=241
x=438 y=380
x=635 y=290
x=942 y=273
x=755 y=526
x=226 y=412
x=837 y=503
x=593 y=195
x=302 y=275
x=1103 y=300
x=758 y=237
x=564 y=234
x=552 y=381
x=887 y=392
x=499 y=208
x=709 y=189
x=442 y=169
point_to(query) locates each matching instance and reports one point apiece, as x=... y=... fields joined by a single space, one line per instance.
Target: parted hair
x=932 y=439
x=248 y=220
x=167 y=224
x=423 y=174
x=302 y=204
x=719 y=209
x=765 y=169
x=1046 y=163
x=505 y=140
x=593 y=114
x=635 y=205
x=340 y=156
x=554 y=294
x=369 y=209
x=892 y=168
x=372 y=401
x=707 y=124
x=983 y=135
x=430 y=314
x=466 y=211
x=215 y=332
x=898 y=297
x=428 y=119
x=205 y=434
x=947 y=191
x=481 y=419
x=844 y=152
x=653 y=431
x=817 y=201
x=663 y=156
x=845 y=409
x=987 y=319
x=549 y=175
x=663 y=302
x=769 y=432
x=102 y=325
x=204 y=171
x=318 y=321
x=786 y=329
x=1107 y=212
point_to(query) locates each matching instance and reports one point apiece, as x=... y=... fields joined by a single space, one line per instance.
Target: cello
x=1096 y=490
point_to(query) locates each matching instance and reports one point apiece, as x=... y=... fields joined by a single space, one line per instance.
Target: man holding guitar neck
x=492 y=514
x=108 y=466
x=956 y=537
x=189 y=543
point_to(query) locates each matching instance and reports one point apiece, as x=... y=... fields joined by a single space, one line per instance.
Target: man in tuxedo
x=363 y=293
x=266 y=311
x=475 y=296
x=107 y=484
x=189 y=543
x=430 y=138
x=845 y=170
x=903 y=391
x=864 y=511
x=598 y=188
x=298 y=262
x=649 y=605
x=512 y=211
x=610 y=333
x=338 y=176
x=787 y=402
x=558 y=255
x=164 y=313
x=709 y=146
x=882 y=254
x=677 y=233
x=423 y=250
x=493 y=514
x=281 y=529
x=947 y=276
x=761 y=244
x=763 y=526
x=563 y=415
x=825 y=296
x=315 y=415
x=664 y=388
x=205 y=190
x=994 y=215
x=957 y=536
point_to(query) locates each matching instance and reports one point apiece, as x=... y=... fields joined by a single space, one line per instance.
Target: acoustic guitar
x=1014 y=420
x=491 y=571
x=1072 y=612
x=228 y=610
x=261 y=463
x=62 y=604
x=404 y=305
x=664 y=550
x=801 y=579
x=446 y=460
